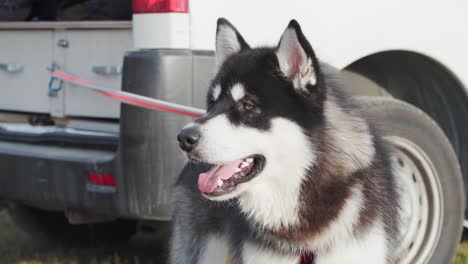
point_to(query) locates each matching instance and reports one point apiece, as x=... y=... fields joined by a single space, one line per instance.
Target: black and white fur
x=327 y=187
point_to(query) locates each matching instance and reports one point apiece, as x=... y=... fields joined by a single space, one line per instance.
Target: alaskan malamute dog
x=283 y=165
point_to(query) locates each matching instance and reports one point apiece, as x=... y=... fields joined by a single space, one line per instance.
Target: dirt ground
x=17 y=248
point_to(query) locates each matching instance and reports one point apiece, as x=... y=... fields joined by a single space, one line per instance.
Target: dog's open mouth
x=224 y=178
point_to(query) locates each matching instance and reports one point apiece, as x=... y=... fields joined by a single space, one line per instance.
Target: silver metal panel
x=25 y=90
x=149 y=152
x=87 y=51
x=203 y=72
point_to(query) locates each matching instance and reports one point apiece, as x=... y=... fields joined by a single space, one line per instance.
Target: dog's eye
x=248 y=105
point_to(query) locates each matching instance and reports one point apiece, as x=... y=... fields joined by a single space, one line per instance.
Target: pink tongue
x=208 y=181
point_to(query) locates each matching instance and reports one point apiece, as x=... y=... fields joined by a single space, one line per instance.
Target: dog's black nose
x=188 y=138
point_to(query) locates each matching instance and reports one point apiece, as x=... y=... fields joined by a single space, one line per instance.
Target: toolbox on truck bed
x=91 y=50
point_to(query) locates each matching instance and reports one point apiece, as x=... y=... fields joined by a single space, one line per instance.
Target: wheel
x=53 y=227
x=432 y=185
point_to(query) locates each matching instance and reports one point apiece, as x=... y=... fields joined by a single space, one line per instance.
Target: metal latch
x=11 y=67
x=107 y=70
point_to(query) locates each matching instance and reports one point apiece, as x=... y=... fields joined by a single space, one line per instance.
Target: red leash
x=125 y=97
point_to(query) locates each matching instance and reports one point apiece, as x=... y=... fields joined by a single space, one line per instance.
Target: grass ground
x=462 y=254
x=17 y=248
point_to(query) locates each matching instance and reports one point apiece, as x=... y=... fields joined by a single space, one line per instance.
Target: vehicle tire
x=433 y=186
x=53 y=227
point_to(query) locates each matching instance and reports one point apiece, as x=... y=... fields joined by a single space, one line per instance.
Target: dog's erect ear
x=228 y=41
x=296 y=58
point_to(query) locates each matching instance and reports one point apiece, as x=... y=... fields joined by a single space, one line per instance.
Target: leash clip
x=54 y=89
x=55 y=84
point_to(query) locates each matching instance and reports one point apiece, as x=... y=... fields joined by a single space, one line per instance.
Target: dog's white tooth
x=249 y=160
x=244 y=164
x=238 y=170
x=220 y=182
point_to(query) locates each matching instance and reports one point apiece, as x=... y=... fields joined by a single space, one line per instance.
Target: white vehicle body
x=341 y=32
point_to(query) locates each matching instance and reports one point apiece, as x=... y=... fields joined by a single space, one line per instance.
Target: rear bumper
x=55 y=177
x=144 y=157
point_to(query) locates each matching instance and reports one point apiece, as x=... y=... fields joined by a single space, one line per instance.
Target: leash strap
x=125 y=97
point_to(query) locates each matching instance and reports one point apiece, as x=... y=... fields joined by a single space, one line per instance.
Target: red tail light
x=101 y=179
x=160 y=6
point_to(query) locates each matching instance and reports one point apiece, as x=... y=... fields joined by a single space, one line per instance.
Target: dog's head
x=264 y=106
